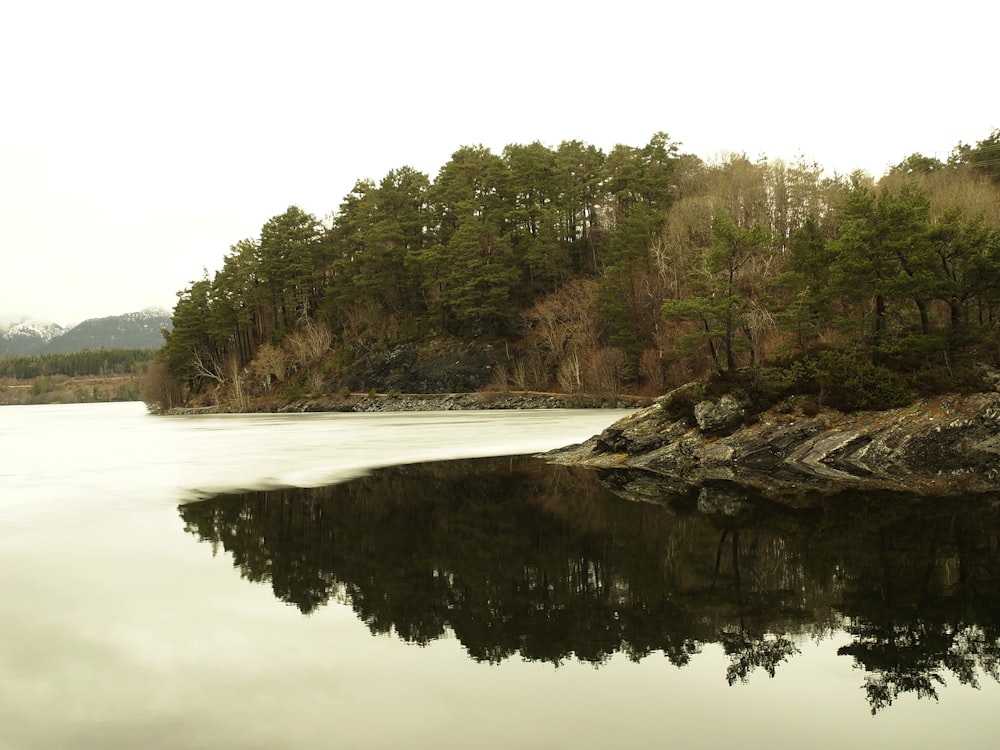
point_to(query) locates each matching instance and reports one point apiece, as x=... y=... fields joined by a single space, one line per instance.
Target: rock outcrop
x=442 y=365
x=948 y=445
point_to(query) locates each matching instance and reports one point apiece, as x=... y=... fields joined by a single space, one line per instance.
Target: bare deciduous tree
x=309 y=342
x=161 y=391
x=570 y=373
x=367 y=322
x=607 y=370
x=651 y=370
x=236 y=394
x=205 y=366
x=563 y=328
x=269 y=363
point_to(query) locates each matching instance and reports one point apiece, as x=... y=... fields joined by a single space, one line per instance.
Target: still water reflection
x=518 y=559
x=549 y=612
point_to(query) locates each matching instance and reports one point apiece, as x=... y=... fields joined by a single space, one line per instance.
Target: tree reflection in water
x=515 y=557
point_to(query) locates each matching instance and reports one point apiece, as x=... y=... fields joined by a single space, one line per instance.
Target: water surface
x=165 y=584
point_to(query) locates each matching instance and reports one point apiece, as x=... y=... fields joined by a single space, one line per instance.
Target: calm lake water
x=374 y=581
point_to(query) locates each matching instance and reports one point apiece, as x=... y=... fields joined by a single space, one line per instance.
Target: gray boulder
x=718 y=416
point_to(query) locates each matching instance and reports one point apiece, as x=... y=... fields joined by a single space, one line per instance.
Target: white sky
x=139 y=141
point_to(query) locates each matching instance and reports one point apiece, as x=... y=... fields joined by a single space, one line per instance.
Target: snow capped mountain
x=150 y=316
x=28 y=336
x=135 y=330
x=33 y=330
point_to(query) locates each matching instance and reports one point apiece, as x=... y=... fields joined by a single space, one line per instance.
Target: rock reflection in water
x=516 y=557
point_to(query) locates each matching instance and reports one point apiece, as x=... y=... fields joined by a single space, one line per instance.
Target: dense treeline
x=93 y=375
x=637 y=268
x=99 y=362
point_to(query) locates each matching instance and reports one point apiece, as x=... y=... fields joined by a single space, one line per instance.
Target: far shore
x=427 y=402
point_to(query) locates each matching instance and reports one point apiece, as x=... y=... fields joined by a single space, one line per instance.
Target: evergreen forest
x=93 y=362
x=630 y=271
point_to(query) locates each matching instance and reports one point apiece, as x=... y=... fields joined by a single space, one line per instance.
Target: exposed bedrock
x=946 y=445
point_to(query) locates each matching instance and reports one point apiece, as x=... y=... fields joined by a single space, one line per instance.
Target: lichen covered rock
x=946 y=445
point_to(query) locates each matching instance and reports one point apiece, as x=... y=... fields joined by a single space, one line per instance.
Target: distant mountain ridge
x=134 y=330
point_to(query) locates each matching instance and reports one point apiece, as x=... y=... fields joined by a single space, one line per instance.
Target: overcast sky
x=139 y=140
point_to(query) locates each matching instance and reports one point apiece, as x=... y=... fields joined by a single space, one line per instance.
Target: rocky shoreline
x=948 y=445
x=369 y=403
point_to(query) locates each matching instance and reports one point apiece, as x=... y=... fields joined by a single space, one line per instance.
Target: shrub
x=835 y=378
x=293 y=390
x=160 y=389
